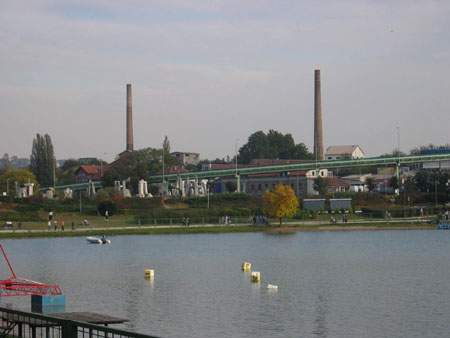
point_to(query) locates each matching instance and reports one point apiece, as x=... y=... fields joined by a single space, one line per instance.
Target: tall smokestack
x=318 y=137
x=129 y=120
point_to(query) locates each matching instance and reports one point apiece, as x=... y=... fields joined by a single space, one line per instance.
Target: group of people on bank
x=61 y=225
x=260 y=219
x=334 y=221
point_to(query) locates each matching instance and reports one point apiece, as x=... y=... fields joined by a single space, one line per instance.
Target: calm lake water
x=330 y=284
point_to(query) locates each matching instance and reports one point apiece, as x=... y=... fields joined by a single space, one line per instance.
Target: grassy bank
x=114 y=231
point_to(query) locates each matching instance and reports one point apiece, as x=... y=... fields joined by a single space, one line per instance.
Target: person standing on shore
x=56 y=225
x=49 y=225
x=62 y=225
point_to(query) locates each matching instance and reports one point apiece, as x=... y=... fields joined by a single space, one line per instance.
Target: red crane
x=16 y=286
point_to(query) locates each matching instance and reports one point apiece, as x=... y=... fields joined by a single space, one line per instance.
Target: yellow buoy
x=256 y=277
x=246 y=266
x=149 y=273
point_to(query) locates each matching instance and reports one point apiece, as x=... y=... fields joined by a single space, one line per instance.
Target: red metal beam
x=16 y=286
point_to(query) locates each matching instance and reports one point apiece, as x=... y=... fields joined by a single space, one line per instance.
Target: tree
x=166 y=145
x=139 y=164
x=257 y=146
x=42 y=160
x=280 y=203
x=21 y=176
x=409 y=185
x=231 y=186
x=169 y=160
x=423 y=180
x=71 y=163
x=321 y=185
x=394 y=183
x=418 y=150
x=370 y=184
x=274 y=145
x=6 y=165
x=395 y=153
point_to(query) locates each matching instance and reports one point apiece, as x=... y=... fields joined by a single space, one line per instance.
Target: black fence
x=16 y=323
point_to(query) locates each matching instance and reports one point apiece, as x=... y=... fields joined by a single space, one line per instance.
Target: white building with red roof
x=341 y=152
x=90 y=172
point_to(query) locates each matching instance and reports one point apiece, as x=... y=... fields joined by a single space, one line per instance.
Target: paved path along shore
x=403 y=223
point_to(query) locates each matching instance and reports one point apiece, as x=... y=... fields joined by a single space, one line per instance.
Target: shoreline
x=168 y=230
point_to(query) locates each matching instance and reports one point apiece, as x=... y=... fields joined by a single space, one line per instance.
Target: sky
x=208 y=74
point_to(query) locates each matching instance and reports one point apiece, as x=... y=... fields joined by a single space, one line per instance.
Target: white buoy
x=256 y=277
x=246 y=266
x=149 y=273
x=272 y=287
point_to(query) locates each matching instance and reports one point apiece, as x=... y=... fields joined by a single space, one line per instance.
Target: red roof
x=93 y=171
x=90 y=169
x=263 y=175
x=268 y=161
x=297 y=173
x=222 y=166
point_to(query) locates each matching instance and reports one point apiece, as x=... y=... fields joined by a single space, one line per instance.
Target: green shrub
x=107 y=205
x=24 y=216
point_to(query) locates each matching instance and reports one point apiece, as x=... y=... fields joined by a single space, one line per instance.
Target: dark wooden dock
x=89 y=317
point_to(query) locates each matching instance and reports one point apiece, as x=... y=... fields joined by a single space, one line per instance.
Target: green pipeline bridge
x=394 y=161
x=75 y=186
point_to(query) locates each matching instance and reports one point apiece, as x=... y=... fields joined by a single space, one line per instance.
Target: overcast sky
x=207 y=73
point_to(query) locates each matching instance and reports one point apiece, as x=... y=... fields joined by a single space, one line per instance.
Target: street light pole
x=101 y=165
x=238 y=181
x=163 y=184
x=404 y=197
x=435 y=190
x=235 y=151
x=7 y=186
x=398 y=141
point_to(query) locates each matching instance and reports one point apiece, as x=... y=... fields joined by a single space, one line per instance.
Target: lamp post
x=101 y=165
x=235 y=151
x=238 y=182
x=398 y=141
x=164 y=190
x=404 y=196
x=435 y=191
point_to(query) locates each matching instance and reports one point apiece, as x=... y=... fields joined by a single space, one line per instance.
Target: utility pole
x=435 y=190
x=238 y=181
x=404 y=197
x=163 y=182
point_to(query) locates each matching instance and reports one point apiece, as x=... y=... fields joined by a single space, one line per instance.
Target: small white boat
x=96 y=240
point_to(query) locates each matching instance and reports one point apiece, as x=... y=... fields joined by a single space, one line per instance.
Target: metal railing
x=17 y=323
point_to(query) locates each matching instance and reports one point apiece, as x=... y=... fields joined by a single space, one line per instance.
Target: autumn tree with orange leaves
x=280 y=203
